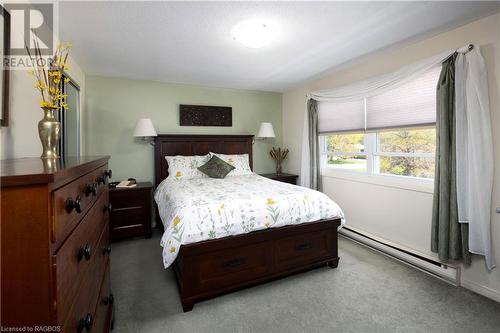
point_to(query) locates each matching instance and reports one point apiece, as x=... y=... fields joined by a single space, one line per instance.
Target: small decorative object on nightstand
x=279 y=155
x=284 y=177
x=130 y=211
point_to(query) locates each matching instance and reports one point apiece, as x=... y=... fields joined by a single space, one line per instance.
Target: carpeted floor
x=368 y=292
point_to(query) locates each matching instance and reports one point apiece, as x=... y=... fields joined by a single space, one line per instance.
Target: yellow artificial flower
x=178 y=174
x=176 y=221
x=40 y=85
x=55 y=73
x=270 y=201
x=172 y=249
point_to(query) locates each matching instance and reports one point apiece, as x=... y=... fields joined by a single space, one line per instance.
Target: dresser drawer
x=130 y=198
x=104 y=307
x=73 y=200
x=80 y=252
x=303 y=249
x=99 y=265
x=82 y=317
x=219 y=268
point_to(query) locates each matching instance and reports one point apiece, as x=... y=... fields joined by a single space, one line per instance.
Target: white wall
x=404 y=215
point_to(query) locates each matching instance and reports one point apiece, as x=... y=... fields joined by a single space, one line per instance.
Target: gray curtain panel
x=312 y=113
x=449 y=237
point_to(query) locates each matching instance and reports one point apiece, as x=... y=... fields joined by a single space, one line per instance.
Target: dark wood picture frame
x=5 y=71
x=205 y=115
x=214 y=267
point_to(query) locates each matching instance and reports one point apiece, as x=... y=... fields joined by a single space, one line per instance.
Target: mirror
x=69 y=144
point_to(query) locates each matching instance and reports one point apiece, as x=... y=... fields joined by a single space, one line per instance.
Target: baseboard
x=481 y=290
x=447 y=273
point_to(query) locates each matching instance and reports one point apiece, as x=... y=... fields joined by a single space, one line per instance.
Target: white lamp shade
x=144 y=127
x=266 y=131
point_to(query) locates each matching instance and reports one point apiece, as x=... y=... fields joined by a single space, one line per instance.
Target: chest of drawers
x=55 y=245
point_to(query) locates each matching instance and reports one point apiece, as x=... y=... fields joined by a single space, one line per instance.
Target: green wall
x=113 y=106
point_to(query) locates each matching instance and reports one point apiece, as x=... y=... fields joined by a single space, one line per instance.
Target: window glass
x=408 y=141
x=346 y=151
x=407 y=166
x=345 y=143
x=353 y=163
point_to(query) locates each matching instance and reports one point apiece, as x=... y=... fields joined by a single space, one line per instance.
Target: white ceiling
x=191 y=42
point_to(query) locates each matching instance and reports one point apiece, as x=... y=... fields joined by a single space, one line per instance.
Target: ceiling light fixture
x=254 y=33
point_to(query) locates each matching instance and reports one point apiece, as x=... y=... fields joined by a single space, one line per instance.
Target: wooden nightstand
x=131 y=211
x=284 y=177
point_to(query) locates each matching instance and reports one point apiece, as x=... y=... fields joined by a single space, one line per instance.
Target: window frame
x=373 y=154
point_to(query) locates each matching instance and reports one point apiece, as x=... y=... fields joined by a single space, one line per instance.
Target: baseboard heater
x=448 y=273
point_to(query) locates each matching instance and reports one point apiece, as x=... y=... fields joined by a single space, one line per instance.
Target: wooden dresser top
x=32 y=170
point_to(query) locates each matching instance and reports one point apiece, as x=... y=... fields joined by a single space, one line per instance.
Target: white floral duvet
x=195 y=210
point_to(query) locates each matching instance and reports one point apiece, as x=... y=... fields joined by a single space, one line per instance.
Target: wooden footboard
x=215 y=267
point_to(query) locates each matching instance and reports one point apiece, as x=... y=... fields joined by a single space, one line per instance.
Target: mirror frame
x=5 y=77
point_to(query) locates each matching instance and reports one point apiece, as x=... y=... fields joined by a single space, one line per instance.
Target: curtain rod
x=465 y=49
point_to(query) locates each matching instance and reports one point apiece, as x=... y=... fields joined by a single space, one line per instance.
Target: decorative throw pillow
x=239 y=161
x=216 y=168
x=186 y=167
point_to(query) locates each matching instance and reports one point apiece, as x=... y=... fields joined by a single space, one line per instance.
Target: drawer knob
x=302 y=247
x=108 y=299
x=234 y=263
x=90 y=189
x=108 y=173
x=84 y=252
x=100 y=179
x=108 y=208
x=74 y=204
x=106 y=250
x=85 y=323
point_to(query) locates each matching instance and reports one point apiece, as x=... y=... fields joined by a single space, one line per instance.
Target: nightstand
x=284 y=177
x=130 y=211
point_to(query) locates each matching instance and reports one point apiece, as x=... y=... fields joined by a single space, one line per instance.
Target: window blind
x=341 y=117
x=411 y=105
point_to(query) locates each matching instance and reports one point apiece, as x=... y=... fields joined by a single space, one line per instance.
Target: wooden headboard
x=188 y=145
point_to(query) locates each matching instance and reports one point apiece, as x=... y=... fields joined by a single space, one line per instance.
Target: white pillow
x=239 y=161
x=186 y=167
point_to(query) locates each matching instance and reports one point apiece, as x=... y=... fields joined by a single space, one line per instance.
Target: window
x=392 y=133
x=405 y=152
x=346 y=151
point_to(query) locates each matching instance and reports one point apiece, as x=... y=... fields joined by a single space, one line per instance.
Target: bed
x=296 y=232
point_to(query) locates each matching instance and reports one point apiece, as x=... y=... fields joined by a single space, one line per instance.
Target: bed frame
x=215 y=267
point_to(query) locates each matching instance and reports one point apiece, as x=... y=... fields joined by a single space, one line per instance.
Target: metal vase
x=49 y=130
